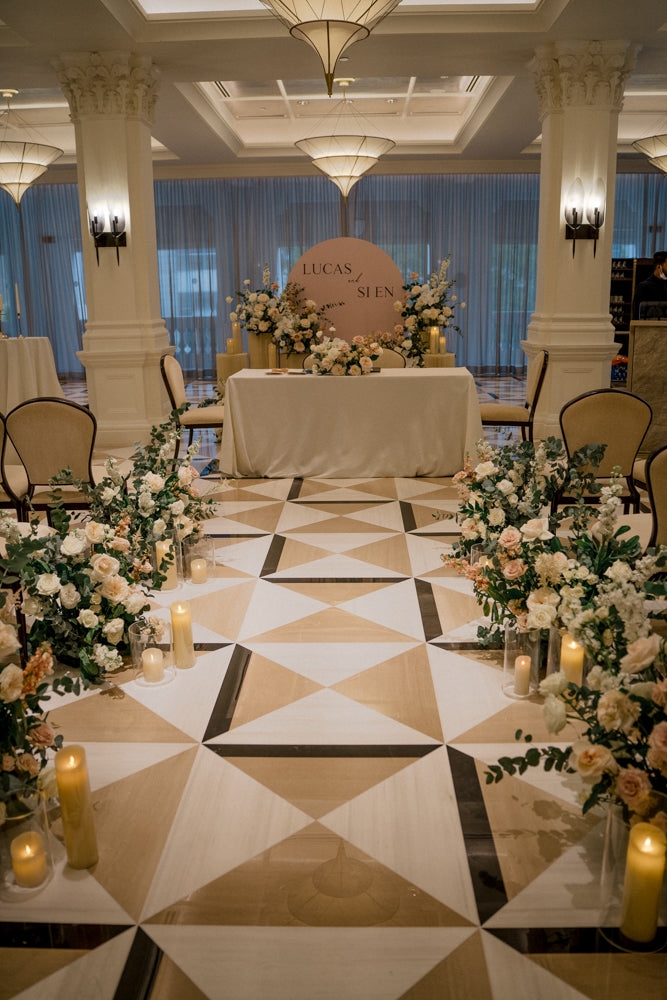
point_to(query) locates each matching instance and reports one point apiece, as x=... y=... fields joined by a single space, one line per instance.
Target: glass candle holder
x=152 y=650
x=521 y=663
x=198 y=558
x=169 y=559
x=26 y=865
x=566 y=654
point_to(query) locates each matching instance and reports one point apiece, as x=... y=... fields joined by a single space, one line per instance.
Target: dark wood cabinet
x=626 y=273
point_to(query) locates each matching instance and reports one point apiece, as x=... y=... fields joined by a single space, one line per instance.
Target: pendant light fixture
x=655 y=147
x=22 y=160
x=330 y=26
x=346 y=151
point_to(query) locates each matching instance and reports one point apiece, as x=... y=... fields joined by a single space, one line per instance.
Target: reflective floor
x=304 y=815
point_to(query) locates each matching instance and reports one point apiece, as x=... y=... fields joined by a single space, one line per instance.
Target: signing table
x=27 y=369
x=396 y=422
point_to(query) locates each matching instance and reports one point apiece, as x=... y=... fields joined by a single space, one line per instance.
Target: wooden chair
x=195 y=418
x=50 y=434
x=13 y=478
x=612 y=417
x=390 y=359
x=656 y=481
x=509 y=415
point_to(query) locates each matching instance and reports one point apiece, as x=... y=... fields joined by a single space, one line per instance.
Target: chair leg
x=191 y=436
x=523 y=433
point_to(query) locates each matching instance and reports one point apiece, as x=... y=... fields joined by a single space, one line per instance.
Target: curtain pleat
x=213 y=234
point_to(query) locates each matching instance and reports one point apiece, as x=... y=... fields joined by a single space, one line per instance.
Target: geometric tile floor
x=303 y=814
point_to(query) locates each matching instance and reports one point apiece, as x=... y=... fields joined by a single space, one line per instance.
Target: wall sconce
x=594 y=202
x=114 y=237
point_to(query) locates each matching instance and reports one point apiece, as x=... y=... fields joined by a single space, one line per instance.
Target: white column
x=112 y=98
x=580 y=90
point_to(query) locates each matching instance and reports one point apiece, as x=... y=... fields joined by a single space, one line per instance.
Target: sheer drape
x=212 y=234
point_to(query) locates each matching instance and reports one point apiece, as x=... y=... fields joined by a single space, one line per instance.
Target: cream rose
x=69 y=596
x=47 y=584
x=87 y=618
x=153 y=481
x=616 y=711
x=554 y=713
x=114 y=588
x=591 y=760
x=541 y=616
x=11 y=683
x=113 y=630
x=134 y=602
x=537 y=529
x=95 y=532
x=641 y=653
x=103 y=565
x=74 y=543
x=9 y=640
x=484 y=470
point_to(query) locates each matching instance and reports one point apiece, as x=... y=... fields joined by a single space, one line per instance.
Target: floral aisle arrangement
x=258 y=310
x=338 y=357
x=301 y=323
x=426 y=304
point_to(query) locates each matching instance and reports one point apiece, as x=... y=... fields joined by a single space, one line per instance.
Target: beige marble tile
x=268 y=686
x=516 y=977
x=171 y=983
x=21 y=967
x=610 y=976
x=333 y=593
x=113 y=716
x=332 y=625
x=391 y=553
x=462 y=974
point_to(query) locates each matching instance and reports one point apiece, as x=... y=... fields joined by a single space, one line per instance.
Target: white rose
x=9 y=641
x=113 y=630
x=496 y=516
x=541 y=616
x=32 y=606
x=134 y=602
x=95 y=532
x=74 y=543
x=153 y=481
x=537 y=529
x=108 y=494
x=47 y=584
x=641 y=653
x=554 y=714
x=103 y=565
x=554 y=683
x=87 y=618
x=159 y=527
x=177 y=507
x=146 y=503
x=591 y=760
x=115 y=589
x=505 y=486
x=11 y=683
x=484 y=470
x=69 y=596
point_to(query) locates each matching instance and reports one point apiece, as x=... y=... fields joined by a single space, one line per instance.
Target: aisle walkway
x=303 y=815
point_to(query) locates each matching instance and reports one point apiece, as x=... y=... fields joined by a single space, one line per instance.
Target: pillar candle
x=76 y=807
x=29 y=859
x=181 y=630
x=152 y=663
x=434 y=331
x=572 y=659
x=236 y=330
x=161 y=550
x=443 y=345
x=198 y=571
x=18 y=304
x=231 y=345
x=0 y=303
x=642 y=888
x=522 y=666
x=273 y=356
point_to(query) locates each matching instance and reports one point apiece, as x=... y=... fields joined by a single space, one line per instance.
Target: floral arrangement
x=301 y=321
x=258 y=310
x=338 y=357
x=400 y=340
x=426 y=304
x=591 y=581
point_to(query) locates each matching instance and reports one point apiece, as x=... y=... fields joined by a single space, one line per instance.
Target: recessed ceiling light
x=391 y=100
x=302 y=104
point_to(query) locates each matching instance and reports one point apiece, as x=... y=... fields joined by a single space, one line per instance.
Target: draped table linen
x=27 y=370
x=396 y=422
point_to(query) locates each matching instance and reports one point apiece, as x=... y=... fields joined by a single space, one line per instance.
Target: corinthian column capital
x=582 y=74
x=108 y=83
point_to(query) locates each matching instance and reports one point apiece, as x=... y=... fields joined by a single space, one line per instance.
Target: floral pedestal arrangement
x=338 y=357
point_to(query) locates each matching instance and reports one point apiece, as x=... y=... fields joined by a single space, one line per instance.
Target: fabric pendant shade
x=330 y=26
x=345 y=158
x=21 y=163
x=655 y=147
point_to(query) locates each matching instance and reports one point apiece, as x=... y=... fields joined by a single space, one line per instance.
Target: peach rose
x=657 y=741
x=27 y=764
x=641 y=653
x=513 y=569
x=115 y=589
x=42 y=736
x=632 y=786
x=509 y=538
x=591 y=760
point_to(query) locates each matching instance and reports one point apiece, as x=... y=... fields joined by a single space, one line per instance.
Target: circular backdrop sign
x=357 y=274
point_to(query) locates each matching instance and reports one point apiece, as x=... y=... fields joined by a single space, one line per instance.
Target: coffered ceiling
x=449 y=82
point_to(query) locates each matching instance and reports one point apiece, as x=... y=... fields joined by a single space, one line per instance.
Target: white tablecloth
x=396 y=422
x=27 y=369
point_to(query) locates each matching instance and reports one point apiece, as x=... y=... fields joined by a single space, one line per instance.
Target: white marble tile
x=109 y=762
x=425 y=554
x=467 y=692
x=323 y=718
x=410 y=823
x=515 y=977
x=567 y=894
x=334 y=567
x=247 y=555
x=271 y=606
x=92 y=977
x=224 y=818
x=189 y=592
x=409 y=488
x=328 y=663
x=188 y=701
x=337 y=542
x=306 y=963
x=223 y=525
x=385 y=515
x=296 y=515
x=396 y=607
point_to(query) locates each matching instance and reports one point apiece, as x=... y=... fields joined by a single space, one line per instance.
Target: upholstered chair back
x=611 y=417
x=173 y=379
x=52 y=434
x=534 y=375
x=390 y=359
x=656 y=477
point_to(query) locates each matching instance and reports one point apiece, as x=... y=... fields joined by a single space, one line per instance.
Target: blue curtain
x=212 y=234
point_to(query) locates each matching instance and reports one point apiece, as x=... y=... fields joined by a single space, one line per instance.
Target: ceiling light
x=347 y=151
x=330 y=26
x=655 y=147
x=22 y=160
